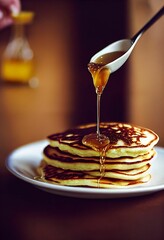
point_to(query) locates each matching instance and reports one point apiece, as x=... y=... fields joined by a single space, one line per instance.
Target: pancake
x=134 y=174
x=125 y=161
x=55 y=157
x=125 y=140
x=79 y=178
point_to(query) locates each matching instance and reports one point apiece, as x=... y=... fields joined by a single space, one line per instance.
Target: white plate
x=23 y=161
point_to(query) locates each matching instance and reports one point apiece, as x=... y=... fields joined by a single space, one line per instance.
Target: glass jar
x=18 y=58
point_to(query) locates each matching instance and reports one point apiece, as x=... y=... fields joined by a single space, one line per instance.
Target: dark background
x=96 y=25
x=99 y=23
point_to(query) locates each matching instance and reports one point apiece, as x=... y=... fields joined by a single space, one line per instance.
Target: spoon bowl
x=125 y=46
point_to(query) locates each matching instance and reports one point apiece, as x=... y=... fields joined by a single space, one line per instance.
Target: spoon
x=125 y=46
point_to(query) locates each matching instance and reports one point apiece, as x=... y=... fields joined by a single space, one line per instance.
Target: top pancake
x=125 y=140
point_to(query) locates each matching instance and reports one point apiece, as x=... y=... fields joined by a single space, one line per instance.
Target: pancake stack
x=126 y=160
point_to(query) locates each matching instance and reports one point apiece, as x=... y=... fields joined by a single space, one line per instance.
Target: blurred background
x=64 y=35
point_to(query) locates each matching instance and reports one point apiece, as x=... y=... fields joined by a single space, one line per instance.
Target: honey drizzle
x=98 y=144
x=100 y=75
x=39 y=178
x=102 y=166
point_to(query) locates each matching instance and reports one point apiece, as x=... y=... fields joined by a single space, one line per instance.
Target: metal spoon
x=124 y=45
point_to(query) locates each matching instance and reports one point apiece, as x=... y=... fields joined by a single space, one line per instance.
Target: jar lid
x=23 y=17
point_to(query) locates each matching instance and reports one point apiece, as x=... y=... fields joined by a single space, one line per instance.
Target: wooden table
x=28 y=213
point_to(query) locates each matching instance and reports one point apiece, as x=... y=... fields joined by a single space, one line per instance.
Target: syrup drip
x=100 y=144
x=102 y=165
x=39 y=178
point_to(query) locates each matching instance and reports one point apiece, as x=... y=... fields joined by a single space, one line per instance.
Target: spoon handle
x=148 y=25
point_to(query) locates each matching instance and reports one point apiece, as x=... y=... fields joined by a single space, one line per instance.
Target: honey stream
x=100 y=75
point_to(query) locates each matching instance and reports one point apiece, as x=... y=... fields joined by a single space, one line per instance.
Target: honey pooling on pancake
x=127 y=133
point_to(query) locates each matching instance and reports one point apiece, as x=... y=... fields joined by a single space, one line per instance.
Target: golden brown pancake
x=79 y=178
x=126 y=162
x=125 y=140
x=55 y=157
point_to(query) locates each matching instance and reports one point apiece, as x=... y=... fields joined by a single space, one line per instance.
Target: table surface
x=28 y=213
